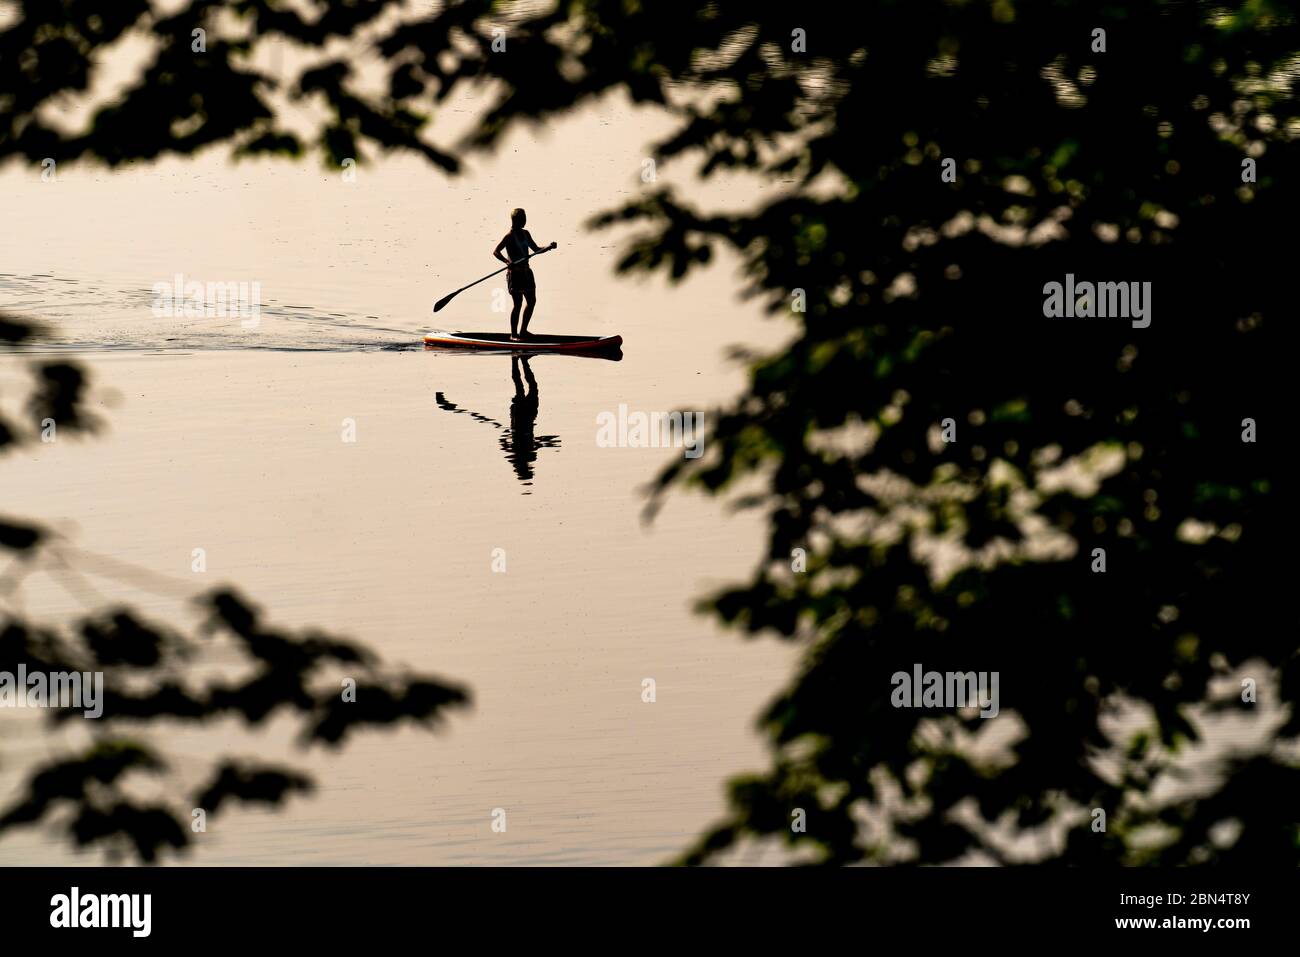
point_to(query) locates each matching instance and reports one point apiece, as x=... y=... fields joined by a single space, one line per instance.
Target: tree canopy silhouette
x=1126 y=142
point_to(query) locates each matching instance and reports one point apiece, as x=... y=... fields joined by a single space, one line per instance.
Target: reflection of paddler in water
x=519 y=442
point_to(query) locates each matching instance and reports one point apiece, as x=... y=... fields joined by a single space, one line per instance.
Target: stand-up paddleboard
x=534 y=342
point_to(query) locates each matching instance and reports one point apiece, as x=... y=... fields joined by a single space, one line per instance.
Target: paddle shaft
x=446 y=299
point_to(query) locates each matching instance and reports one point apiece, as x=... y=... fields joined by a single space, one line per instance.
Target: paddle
x=446 y=299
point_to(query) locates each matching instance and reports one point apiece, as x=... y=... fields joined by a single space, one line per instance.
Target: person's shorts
x=520 y=282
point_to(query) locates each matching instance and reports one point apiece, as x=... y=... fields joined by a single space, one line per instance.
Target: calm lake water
x=232 y=440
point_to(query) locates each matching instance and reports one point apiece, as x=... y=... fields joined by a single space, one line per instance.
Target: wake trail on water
x=78 y=315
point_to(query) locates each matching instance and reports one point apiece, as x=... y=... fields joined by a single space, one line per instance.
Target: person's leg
x=514 y=314
x=531 y=296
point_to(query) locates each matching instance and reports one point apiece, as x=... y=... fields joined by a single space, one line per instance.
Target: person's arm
x=535 y=247
x=497 y=252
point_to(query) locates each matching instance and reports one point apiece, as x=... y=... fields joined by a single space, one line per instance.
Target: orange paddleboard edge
x=534 y=343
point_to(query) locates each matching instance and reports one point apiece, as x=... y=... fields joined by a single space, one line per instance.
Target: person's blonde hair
x=518 y=217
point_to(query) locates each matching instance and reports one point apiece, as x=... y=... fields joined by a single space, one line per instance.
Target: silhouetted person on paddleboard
x=519 y=277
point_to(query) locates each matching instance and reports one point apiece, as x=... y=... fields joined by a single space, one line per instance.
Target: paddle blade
x=443 y=301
